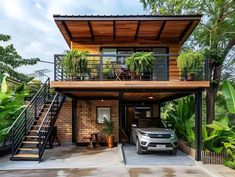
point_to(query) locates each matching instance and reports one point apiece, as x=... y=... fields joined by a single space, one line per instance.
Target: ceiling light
x=150 y=97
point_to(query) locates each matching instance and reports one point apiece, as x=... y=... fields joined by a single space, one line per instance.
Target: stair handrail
x=27 y=117
x=31 y=101
x=58 y=100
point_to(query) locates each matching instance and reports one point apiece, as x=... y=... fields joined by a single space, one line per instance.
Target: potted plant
x=108 y=130
x=140 y=62
x=107 y=68
x=75 y=64
x=190 y=64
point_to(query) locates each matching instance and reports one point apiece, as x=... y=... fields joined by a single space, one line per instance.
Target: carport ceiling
x=128 y=96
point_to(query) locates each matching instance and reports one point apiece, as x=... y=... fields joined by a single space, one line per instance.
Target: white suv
x=155 y=138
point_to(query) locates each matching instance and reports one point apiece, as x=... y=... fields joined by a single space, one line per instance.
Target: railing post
x=101 y=67
x=35 y=110
x=12 y=141
x=25 y=121
x=55 y=63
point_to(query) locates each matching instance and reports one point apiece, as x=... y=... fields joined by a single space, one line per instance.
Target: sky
x=34 y=33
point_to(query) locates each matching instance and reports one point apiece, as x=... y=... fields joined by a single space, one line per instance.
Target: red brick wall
x=86 y=112
x=64 y=123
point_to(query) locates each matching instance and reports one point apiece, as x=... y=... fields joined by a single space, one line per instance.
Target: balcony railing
x=110 y=67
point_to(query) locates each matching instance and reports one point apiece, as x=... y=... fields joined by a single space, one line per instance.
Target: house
x=110 y=90
x=113 y=38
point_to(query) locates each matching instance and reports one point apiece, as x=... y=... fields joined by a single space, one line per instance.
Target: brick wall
x=86 y=112
x=64 y=123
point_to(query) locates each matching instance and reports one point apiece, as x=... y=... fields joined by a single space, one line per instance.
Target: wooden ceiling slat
x=67 y=30
x=114 y=30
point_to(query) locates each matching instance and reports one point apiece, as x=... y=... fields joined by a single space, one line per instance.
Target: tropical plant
x=107 y=68
x=11 y=104
x=75 y=64
x=108 y=127
x=10 y=59
x=181 y=116
x=191 y=62
x=140 y=62
x=220 y=136
x=215 y=32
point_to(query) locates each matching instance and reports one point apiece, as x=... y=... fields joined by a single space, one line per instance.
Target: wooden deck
x=130 y=84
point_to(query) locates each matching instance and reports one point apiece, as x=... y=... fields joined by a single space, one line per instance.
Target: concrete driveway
x=156 y=158
x=74 y=161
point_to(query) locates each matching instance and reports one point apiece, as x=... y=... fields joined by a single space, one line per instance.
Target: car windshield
x=151 y=123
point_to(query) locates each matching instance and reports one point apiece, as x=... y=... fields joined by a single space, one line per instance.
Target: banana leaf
x=229 y=94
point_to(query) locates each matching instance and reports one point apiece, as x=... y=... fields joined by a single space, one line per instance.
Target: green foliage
x=140 y=62
x=229 y=94
x=190 y=61
x=108 y=127
x=10 y=59
x=75 y=63
x=11 y=104
x=181 y=116
x=107 y=67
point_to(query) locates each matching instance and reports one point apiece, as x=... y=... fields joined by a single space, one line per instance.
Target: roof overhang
x=120 y=29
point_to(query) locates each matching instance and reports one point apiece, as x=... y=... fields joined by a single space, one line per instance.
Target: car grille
x=155 y=144
x=159 y=135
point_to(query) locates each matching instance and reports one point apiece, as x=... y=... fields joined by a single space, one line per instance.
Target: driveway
x=156 y=158
x=74 y=161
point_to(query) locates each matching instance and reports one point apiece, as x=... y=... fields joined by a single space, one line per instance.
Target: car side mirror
x=133 y=125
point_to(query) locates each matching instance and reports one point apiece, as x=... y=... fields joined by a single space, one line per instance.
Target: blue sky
x=34 y=33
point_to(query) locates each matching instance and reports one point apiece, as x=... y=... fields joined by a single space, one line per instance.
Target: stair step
x=31 y=136
x=30 y=142
x=33 y=131
x=26 y=156
x=28 y=149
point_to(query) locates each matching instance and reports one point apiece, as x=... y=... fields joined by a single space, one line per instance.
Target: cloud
x=33 y=30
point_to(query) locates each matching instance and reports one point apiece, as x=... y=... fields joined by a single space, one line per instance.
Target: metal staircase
x=33 y=128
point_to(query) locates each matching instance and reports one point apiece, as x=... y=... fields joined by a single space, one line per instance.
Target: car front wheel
x=138 y=148
x=174 y=151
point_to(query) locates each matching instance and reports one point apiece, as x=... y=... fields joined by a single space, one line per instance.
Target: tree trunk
x=212 y=92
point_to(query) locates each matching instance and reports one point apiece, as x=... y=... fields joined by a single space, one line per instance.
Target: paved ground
x=73 y=161
x=158 y=158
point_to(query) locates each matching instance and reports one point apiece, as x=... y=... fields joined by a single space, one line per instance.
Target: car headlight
x=143 y=133
x=172 y=135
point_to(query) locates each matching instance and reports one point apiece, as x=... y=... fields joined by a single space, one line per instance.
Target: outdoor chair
x=117 y=71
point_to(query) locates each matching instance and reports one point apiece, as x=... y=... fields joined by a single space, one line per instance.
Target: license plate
x=161 y=146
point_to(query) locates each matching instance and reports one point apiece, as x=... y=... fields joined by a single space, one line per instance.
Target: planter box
x=186 y=148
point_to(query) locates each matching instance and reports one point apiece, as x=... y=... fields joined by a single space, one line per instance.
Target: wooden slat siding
x=173 y=69
x=131 y=84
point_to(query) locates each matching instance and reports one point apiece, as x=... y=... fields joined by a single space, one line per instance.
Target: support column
x=198 y=125
x=74 y=120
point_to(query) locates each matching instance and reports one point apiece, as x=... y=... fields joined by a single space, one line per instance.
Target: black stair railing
x=27 y=117
x=48 y=122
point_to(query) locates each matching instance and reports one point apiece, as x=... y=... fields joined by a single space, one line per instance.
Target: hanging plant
x=140 y=62
x=75 y=63
x=190 y=64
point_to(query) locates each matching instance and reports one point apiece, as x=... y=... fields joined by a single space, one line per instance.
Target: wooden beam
x=137 y=30
x=91 y=31
x=161 y=29
x=186 y=29
x=114 y=31
x=67 y=30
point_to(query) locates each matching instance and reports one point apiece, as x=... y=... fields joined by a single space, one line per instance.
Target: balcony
x=112 y=67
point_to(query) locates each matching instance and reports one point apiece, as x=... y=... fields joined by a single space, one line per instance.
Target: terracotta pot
x=110 y=140
x=190 y=76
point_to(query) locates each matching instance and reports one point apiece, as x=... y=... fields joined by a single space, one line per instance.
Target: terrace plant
x=190 y=64
x=140 y=62
x=75 y=64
